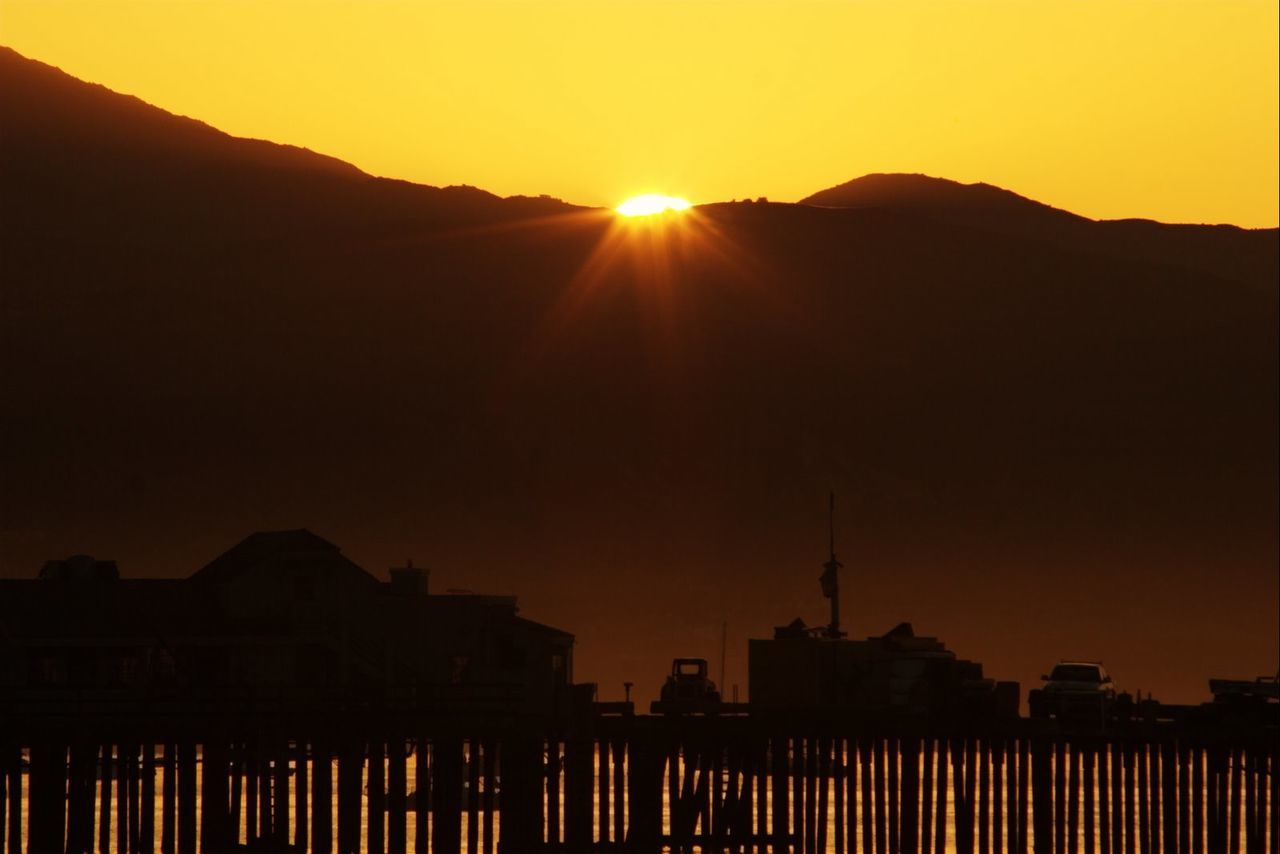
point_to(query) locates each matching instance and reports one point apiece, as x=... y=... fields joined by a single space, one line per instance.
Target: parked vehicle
x=688 y=688
x=1074 y=689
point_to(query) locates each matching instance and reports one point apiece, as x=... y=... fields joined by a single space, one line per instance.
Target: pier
x=395 y=777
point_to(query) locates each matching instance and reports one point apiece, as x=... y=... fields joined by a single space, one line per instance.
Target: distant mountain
x=634 y=426
x=82 y=158
x=1251 y=255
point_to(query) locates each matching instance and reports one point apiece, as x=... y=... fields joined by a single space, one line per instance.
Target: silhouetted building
x=898 y=673
x=282 y=616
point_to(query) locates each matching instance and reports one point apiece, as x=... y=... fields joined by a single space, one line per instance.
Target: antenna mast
x=831 y=575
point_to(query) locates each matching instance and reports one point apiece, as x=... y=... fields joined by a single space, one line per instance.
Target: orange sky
x=1107 y=107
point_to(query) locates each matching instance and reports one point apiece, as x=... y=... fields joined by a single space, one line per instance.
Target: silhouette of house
x=282 y=616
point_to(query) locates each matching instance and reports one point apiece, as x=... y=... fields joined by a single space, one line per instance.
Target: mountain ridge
x=1220 y=249
x=138 y=149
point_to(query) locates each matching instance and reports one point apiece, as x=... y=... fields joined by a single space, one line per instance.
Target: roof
x=545 y=630
x=266 y=549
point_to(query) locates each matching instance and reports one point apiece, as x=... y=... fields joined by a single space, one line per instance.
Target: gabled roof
x=267 y=549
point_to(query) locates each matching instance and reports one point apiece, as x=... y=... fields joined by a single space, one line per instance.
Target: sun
x=652 y=203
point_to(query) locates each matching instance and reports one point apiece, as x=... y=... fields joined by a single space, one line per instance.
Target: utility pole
x=830 y=579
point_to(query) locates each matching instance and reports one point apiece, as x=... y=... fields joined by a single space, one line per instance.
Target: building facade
x=281 y=617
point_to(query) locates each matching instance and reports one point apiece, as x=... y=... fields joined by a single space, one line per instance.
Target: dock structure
x=283 y=699
x=390 y=777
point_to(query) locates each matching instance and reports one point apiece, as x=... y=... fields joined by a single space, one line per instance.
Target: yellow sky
x=1107 y=107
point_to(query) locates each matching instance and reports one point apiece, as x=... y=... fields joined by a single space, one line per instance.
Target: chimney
x=409 y=581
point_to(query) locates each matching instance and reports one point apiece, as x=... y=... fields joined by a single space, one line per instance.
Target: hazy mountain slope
x=635 y=426
x=1248 y=255
x=82 y=159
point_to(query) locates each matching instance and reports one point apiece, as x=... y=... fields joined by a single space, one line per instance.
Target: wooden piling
x=620 y=795
x=895 y=829
x=760 y=748
x=1144 y=799
x=811 y=795
x=209 y=803
x=81 y=777
x=206 y=803
x=1273 y=801
x=1104 y=801
x=926 y=797
x=971 y=775
x=799 y=756
x=1041 y=794
x=1130 y=800
x=645 y=770
x=603 y=785
x=473 y=796
x=446 y=794
x=1198 y=800
x=252 y=777
x=881 y=808
x=169 y=800
x=940 y=807
x=1024 y=796
x=1073 y=801
x=6 y=757
x=778 y=781
x=700 y=803
x=135 y=805
x=910 y=799
x=266 y=754
x=46 y=800
x=1117 y=798
x=1184 y=797
x=350 y=794
x=578 y=792
x=237 y=789
x=322 y=799
x=15 y=801
x=122 y=798
x=397 y=781
x=840 y=770
x=1060 y=796
x=147 y=810
x=280 y=817
x=1251 y=842
x=1235 y=760
x=186 y=797
x=984 y=796
x=1168 y=798
x=421 y=794
x=1155 y=775
x=1218 y=775
x=998 y=749
x=824 y=774
x=376 y=788
x=1089 y=780
x=961 y=769
x=489 y=754
x=106 y=775
x=522 y=793
x=1014 y=776
x=553 y=778
x=301 y=795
